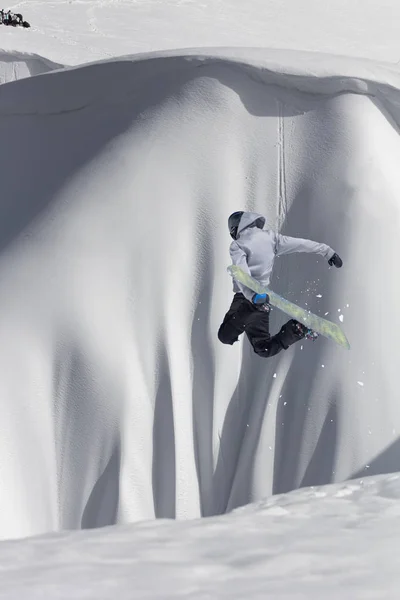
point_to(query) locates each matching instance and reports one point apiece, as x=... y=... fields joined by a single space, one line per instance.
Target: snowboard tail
x=314 y=322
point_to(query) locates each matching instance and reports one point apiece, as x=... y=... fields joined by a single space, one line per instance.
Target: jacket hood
x=247 y=219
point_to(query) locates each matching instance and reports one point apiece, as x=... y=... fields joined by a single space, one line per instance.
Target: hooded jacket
x=255 y=250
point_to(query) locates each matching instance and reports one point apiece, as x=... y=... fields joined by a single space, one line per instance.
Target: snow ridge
x=19 y=65
x=301 y=71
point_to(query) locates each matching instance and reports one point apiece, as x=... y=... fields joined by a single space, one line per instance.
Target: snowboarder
x=12 y=19
x=254 y=250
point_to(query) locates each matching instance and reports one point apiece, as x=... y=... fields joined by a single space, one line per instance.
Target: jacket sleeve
x=288 y=245
x=238 y=257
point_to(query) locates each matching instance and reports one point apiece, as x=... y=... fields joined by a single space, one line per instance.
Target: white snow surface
x=18 y=65
x=76 y=31
x=118 y=402
x=337 y=541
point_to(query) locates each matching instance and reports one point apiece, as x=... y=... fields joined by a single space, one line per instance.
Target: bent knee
x=271 y=348
x=227 y=336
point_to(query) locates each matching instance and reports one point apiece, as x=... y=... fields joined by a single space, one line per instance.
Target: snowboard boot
x=292 y=332
x=309 y=334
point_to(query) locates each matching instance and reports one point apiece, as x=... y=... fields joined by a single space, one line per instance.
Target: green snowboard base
x=318 y=324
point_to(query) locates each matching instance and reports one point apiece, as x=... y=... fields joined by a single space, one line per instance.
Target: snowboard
x=314 y=322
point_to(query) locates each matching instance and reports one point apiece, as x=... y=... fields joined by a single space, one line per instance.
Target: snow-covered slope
x=118 y=403
x=334 y=542
x=18 y=65
x=76 y=31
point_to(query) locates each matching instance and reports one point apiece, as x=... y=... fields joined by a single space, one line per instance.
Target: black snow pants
x=243 y=316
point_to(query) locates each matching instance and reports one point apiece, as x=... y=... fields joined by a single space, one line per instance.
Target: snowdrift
x=321 y=543
x=18 y=65
x=118 y=402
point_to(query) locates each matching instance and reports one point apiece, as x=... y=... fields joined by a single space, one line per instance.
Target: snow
x=118 y=402
x=114 y=283
x=73 y=31
x=17 y=65
x=337 y=541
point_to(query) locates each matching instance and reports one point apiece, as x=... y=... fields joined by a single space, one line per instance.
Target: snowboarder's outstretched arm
x=288 y=245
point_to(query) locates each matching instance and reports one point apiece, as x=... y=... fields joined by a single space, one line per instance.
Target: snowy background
x=118 y=402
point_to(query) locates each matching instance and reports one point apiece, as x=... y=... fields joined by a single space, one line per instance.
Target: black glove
x=335 y=260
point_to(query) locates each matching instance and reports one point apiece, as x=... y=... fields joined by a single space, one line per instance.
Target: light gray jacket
x=255 y=250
